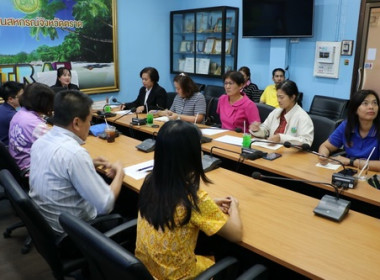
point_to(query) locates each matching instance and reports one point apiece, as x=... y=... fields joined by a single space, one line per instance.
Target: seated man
x=62 y=174
x=269 y=95
x=10 y=92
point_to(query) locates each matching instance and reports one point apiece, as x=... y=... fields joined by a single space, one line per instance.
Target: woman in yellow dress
x=172 y=208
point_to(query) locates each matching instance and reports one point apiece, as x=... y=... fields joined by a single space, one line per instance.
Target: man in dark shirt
x=10 y=92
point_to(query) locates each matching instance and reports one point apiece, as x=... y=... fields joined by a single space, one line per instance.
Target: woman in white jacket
x=287 y=123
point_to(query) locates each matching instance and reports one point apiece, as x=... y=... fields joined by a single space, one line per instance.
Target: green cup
x=107 y=109
x=246 y=140
x=149 y=119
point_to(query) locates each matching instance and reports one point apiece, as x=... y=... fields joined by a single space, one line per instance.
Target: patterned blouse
x=170 y=254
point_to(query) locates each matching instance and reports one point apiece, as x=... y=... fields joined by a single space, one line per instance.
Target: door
x=368 y=72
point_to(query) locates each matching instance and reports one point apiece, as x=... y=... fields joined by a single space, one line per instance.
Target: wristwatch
x=352 y=159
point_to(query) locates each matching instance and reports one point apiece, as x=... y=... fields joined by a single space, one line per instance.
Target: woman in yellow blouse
x=172 y=208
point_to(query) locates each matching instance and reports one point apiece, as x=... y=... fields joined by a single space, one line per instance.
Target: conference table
x=292 y=164
x=278 y=224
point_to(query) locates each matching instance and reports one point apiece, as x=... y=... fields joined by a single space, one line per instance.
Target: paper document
x=212 y=131
x=123 y=112
x=238 y=141
x=162 y=119
x=267 y=145
x=329 y=166
x=140 y=170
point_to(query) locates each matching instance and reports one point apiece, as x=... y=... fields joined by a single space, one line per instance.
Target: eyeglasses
x=367 y=103
x=228 y=84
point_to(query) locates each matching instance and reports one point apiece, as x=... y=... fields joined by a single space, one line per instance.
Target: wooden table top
x=293 y=163
x=279 y=224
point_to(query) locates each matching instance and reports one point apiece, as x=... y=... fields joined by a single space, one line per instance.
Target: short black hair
x=10 y=89
x=38 y=98
x=69 y=104
x=60 y=72
x=278 y=69
x=235 y=76
x=152 y=72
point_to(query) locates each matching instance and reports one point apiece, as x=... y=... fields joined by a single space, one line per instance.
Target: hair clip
x=182 y=74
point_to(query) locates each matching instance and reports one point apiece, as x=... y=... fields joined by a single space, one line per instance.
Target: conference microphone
x=331 y=207
x=132 y=110
x=344 y=177
x=114 y=100
x=136 y=120
x=267 y=141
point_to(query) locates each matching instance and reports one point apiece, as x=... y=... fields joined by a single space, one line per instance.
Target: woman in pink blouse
x=234 y=107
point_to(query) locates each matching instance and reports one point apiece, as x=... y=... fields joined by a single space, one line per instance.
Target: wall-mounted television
x=278 y=18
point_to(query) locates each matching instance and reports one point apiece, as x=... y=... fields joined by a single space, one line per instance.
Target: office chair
x=201 y=87
x=323 y=127
x=46 y=241
x=329 y=107
x=214 y=91
x=264 y=110
x=108 y=260
x=212 y=117
x=8 y=162
x=257 y=272
x=170 y=99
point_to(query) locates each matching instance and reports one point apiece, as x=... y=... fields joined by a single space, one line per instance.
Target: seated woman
x=28 y=123
x=10 y=92
x=151 y=95
x=248 y=87
x=172 y=208
x=189 y=104
x=63 y=80
x=234 y=107
x=287 y=123
x=359 y=133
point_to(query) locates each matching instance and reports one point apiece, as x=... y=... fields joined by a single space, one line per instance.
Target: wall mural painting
x=43 y=35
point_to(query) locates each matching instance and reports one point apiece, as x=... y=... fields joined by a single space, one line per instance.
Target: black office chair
x=329 y=107
x=170 y=99
x=214 y=91
x=8 y=162
x=323 y=127
x=47 y=243
x=201 y=87
x=264 y=110
x=212 y=117
x=257 y=272
x=108 y=260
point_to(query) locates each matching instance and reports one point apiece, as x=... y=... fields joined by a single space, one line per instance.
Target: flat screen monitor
x=278 y=18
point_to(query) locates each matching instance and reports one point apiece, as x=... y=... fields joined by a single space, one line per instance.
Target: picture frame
x=209 y=45
x=200 y=46
x=182 y=46
x=186 y=46
x=217 y=47
x=346 y=48
x=228 y=46
x=219 y=24
x=96 y=73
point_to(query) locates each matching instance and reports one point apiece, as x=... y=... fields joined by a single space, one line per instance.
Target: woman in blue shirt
x=359 y=133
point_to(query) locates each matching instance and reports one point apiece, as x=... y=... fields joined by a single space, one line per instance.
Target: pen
x=144 y=168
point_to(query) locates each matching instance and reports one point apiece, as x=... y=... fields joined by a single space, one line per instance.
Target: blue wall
x=144 y=31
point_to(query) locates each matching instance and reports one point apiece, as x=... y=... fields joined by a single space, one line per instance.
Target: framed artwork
x=209 y=45
x=51 y=34
x=346 y=48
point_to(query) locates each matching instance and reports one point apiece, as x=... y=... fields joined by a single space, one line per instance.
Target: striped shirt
x=63 y=179
x=192 y=106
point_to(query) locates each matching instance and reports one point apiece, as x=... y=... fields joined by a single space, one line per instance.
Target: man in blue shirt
x=10 y=92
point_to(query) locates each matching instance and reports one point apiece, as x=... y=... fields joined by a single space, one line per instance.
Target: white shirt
x=63 y=179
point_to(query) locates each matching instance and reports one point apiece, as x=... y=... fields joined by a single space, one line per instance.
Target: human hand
x=274 y=138
x=114 y=168
x=140 y=109
x=223 y=204
x=255 y=126
x=101 y=161
x=234 y=205
x=173 y=116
